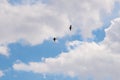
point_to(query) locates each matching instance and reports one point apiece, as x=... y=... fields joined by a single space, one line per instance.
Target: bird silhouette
x=70 y=27
x=54 y=39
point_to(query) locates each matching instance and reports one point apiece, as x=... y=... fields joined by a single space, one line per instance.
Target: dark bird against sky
x=54 y=39
x=70 y=27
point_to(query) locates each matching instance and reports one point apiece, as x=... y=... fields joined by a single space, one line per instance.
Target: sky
x=90 y=51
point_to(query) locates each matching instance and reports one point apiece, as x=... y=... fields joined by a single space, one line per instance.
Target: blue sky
x=89 y=52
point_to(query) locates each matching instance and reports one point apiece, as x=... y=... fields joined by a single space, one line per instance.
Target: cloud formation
x=101 y=60
x=85 y=14
x=112 y=40
x=39 y=21
x=34 y=21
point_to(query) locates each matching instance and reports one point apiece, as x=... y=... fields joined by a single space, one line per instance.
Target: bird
x=70 y=27
x=54 y=39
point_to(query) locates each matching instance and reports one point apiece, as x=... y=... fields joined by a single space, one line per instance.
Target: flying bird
x=54 y=39
x=70 y=27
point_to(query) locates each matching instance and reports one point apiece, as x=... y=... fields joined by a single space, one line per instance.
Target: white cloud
x=85 y=14
x=4 y=50
x=100 y=60
x=39 y=21
x=1 y=74
x=33 y=23
x=112 y=40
